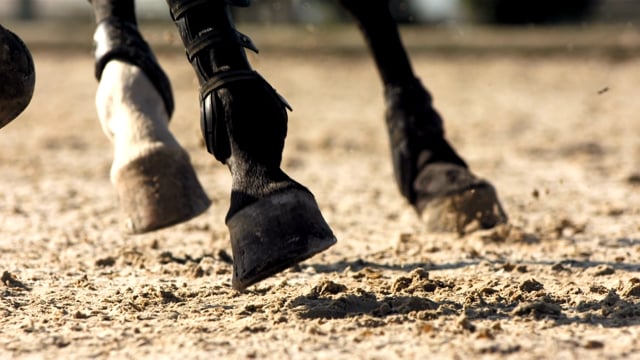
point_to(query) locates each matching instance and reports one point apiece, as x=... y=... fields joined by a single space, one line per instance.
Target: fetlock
x=243 y=119
x=251 y=126
x=416 y=135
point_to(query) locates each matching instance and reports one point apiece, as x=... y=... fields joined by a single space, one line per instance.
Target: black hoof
x=275 y=233
x=17 y=76
x=452 y=199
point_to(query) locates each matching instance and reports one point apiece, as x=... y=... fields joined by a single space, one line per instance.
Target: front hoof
x=274 y=234
x=452 y=199
x=158 y=190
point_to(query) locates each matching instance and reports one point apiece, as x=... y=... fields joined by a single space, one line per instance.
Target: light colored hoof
x=464 y=212
x=157 y=190
x=274 y=234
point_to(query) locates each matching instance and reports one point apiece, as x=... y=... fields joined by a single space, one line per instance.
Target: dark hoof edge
x=274 y=234
x=467 y=203
x=159 y=190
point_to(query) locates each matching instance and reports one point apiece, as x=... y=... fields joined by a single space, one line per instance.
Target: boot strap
x=211 y=37
x=214 y=131
x=208 y=37
x=118 y=39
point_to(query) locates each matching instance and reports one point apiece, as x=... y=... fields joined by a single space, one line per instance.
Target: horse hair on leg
x=274 y=222
x=428 y=171
x=153 y=176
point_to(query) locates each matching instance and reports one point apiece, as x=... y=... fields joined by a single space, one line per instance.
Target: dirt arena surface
x=557 y=133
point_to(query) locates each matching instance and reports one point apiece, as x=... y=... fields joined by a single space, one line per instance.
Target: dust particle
x=169 y=297
x=197 y=272
x=80 y=315
x=632 y=289
x=634 y=179
x=401 y=283
x=559 y=267
x=594 y=344
x=603 y=270
x=10 y=280
x=466 y=324
x=106 y=262
x=531 y=285
x=326 y=287
x=538 y=309
x=419 y=274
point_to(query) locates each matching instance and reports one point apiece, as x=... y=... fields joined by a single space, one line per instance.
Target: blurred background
x=508 y=12
x=463 y=27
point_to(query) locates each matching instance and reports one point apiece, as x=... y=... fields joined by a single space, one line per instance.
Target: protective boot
x=274 y=222
x=153 y=176
x=428 y=171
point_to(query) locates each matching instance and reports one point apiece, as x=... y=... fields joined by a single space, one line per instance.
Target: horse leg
x=155 y=182
x=428 y=171
x=274 y=222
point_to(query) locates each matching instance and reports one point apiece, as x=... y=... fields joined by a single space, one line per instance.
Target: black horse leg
x=152 y=173
x=274 y=222
x=429 y=172
x=17 y=76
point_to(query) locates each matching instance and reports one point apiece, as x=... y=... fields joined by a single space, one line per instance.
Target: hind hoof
x=158 y=190
x=274 y=234
x=465 y=212
x=456 y=201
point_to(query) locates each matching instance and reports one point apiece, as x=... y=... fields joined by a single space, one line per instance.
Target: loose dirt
x=557 y=134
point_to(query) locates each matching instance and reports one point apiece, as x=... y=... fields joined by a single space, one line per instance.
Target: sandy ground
x=557 y=135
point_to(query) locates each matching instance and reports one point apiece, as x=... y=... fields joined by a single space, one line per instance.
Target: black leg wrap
x=416 y=135
x=179 y=6
x=240 y=3
x=212 y=109
x=115 y=38
x=207 y=49
x=195 y=40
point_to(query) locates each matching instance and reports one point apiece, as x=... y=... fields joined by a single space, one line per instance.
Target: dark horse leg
x=274 y=222
x=17 y=76
x=429 y=172
x=152 y=173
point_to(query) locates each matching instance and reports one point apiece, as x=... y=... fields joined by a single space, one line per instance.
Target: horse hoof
x=17 y=76
x=275 y=233
x=158 y=190
x=457 y=201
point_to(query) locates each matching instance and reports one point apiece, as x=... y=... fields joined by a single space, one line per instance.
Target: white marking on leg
x=132 y=114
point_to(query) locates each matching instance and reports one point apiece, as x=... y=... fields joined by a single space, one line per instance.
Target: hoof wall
x=158 y=190
x=452 y=199
x=274 y=234
x=464 y=212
